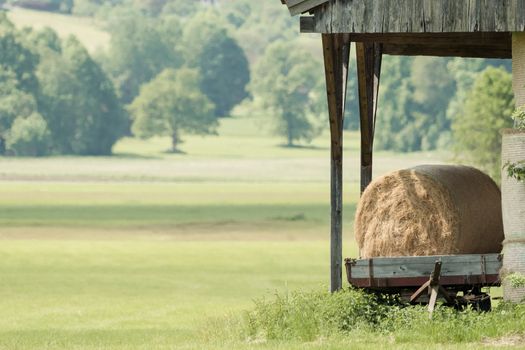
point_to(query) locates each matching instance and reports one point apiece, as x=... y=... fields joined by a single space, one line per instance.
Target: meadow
x=152 y=250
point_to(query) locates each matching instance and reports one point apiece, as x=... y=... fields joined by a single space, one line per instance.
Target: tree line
x=155 y=79
x=54 y=97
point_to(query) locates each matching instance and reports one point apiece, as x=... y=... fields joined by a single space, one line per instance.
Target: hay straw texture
x=430 y=210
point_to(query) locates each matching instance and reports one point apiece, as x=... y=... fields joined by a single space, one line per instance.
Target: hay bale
x=430 y=210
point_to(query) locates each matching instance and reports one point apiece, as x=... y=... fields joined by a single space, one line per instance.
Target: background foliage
x=245 y=67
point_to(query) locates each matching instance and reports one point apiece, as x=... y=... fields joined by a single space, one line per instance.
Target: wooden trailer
x=458 y=279
x=463 y=28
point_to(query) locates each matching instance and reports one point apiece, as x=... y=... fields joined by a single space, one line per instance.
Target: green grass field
x=141 y=250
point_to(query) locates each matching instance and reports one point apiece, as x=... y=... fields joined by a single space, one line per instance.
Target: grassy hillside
x=83 y=28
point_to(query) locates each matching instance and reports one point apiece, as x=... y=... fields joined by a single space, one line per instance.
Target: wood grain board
x=422 y=266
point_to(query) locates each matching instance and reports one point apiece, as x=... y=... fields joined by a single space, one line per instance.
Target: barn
x=445 y=28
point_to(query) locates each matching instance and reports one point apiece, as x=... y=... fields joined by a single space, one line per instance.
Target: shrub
x=308 y=315
x=29 y=136
x=360 y=316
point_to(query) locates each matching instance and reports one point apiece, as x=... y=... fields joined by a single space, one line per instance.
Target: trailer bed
x=457 y=271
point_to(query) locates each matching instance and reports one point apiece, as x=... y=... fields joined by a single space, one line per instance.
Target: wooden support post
x=369 y=57
x=336 y=49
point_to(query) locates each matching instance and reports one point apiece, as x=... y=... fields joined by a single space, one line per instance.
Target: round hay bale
x=430 y=210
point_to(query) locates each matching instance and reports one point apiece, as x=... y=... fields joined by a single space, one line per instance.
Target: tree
x=419 y=97
x=487 y=110
x=225 y=72
x=198 y=30
x=150 y=7
x=413 y=100
x=138 y=51
x=285 y=81
x=79 y=102
x=433 y=88
x=465 y=71
x=221 y=62
x=14 y=103
x=29 y=137
x=14 y=56
x=45 y=39
x=394 y=129
x=253 y=33
x=170 y=104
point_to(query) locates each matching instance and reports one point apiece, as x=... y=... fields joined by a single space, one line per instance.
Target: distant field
x=143 y=249
x=83 y=28
x=244 y=152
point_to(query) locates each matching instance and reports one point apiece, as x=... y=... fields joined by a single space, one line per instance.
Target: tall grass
x=315 y=315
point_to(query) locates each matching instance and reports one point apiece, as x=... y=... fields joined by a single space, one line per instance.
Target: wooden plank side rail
x=398 y=271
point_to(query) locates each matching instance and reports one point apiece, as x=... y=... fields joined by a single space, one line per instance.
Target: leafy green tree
x=150 y=7
x=465 y=71
x=414 y=96
x=198 y=31
x=29 y=137
x=225 y=72
x=138 y=51
x=253 y=31
x=14 y=103
x=433 y=88
x=45 y=39
x=285 y=81
x=488 y=108
x=221 y=62
x=420 y=96
x=171 y=104
x=16 y=57
x=79 y=102
x=395 y=127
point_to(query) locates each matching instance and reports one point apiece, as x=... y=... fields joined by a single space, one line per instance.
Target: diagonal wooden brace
x=433 y=287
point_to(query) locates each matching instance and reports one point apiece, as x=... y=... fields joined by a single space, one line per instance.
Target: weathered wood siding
x=417 y=16
x=422 y=266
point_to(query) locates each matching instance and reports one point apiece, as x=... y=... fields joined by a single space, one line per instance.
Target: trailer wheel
x=481 y=303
